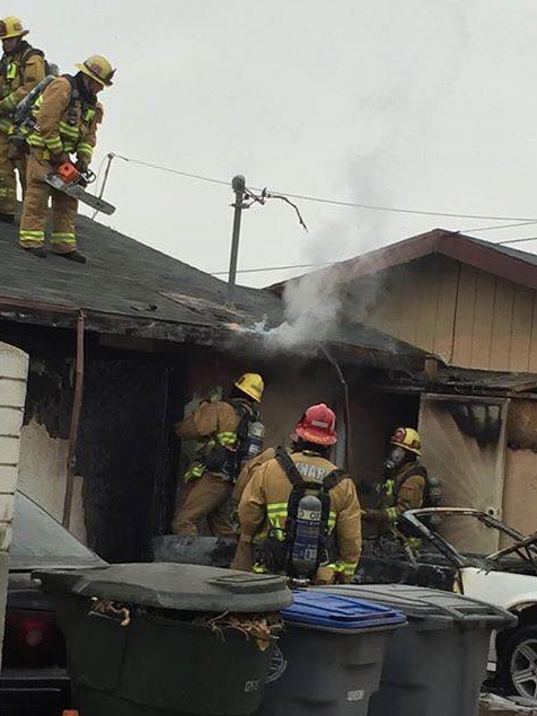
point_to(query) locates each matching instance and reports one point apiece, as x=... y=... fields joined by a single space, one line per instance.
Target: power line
x=399 y=210
x=169 y=170
x=515 y=241
x=332 y=202
x=499 y=226
x=333 y=263
x=275 y=268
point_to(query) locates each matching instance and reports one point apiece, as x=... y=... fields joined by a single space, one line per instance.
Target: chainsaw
x=71 y=181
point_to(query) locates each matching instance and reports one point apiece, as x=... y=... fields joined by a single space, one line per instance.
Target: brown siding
x=464 y=317
x=503 y=324
x=469 y=317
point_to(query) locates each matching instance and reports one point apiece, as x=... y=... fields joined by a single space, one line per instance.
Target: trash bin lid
x=184 y=587
x=339 y=613
x=431 y=607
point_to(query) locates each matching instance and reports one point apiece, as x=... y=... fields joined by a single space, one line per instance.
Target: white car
x=506 y=578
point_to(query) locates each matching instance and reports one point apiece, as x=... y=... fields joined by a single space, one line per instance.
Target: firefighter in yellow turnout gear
x=221 y=429
x=67 y=116
x=404 y=484
x=22 y=67
x=270 y=510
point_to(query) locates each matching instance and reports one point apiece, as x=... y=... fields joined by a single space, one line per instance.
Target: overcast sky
x=423 y=104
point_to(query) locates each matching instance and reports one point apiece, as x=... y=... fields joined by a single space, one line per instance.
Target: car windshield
x=38 y=539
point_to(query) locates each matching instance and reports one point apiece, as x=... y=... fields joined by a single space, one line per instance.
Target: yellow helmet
x=99 y=69
x=11 y=27
x=408 y=439
x=252 y=384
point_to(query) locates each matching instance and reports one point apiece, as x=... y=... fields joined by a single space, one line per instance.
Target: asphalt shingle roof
x=124 y=277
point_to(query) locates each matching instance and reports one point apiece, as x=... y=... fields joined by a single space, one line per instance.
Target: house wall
x=520 y=483
x=122 y=464
x=290 y=385
x=43 y=475
x=13 y=376
x=470 y=318
x=293 y=385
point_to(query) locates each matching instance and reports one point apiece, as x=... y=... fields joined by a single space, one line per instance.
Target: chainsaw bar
x=78 y=193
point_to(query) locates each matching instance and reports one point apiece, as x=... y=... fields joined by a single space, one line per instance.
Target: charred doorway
x=127 y=452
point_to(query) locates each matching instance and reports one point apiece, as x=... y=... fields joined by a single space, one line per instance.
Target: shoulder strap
x=292 y=472
x=72 y=81
x=289 y=467
x=244 y=409
x=413 y=468
x=333 y=478
x=29 y=53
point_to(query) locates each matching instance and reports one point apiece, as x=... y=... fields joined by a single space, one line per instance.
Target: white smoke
x=311 y=306
x=392 y=110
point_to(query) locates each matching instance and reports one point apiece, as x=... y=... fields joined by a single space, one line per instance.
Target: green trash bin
x=155 y=658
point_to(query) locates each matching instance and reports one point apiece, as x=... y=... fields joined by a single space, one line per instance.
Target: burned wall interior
x=126 y=456
x=126 y=451
x=291 y=384
x=44 y=436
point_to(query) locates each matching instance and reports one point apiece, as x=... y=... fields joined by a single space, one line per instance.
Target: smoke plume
x=393 y=110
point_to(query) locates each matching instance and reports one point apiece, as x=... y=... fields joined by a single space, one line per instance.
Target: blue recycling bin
x=329 y=659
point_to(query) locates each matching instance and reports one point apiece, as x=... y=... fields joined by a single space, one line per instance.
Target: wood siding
x=469 y=317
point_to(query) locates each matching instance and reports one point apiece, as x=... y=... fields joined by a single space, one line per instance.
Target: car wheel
x=518 y=663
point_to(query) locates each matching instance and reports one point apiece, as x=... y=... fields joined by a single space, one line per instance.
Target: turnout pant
x=207 y=498
x=11 y=161
x=34 y=211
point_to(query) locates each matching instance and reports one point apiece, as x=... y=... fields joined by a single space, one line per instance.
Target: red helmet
x=318 y=425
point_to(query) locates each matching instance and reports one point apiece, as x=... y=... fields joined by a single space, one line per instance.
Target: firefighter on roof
x=22 y=67
x=67 y=115
x=299 y=515
x=229 y=433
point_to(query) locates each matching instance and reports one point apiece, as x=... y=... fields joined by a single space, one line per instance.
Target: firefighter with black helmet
x=404 y=482
x=299 y=515
x=22 y=68
x=229 y=433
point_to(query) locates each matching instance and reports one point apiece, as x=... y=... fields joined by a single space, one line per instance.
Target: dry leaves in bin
x=112 y=610
x=262 y=627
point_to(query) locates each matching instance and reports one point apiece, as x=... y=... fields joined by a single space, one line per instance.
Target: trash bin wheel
x=518 y=663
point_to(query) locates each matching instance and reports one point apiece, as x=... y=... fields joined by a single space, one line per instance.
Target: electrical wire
x=275 y=268
x=169 y=170
x=332 y=202
x=497 y=227
x=519 y=221
x=515 y=241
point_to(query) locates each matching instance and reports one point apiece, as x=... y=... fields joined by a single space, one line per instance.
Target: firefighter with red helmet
x=296 y=505
x=404 y=482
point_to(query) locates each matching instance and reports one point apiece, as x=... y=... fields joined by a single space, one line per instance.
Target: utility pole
x=238 y=184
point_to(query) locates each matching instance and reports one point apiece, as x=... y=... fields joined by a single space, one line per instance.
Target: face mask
x=395 y=459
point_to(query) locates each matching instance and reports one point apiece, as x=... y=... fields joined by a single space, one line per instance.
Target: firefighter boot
x=74 y=256
x=38 y=251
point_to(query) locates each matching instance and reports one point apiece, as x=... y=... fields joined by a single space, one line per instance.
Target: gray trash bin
x=156 y=658
x=435 y=665
x=329 y=659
